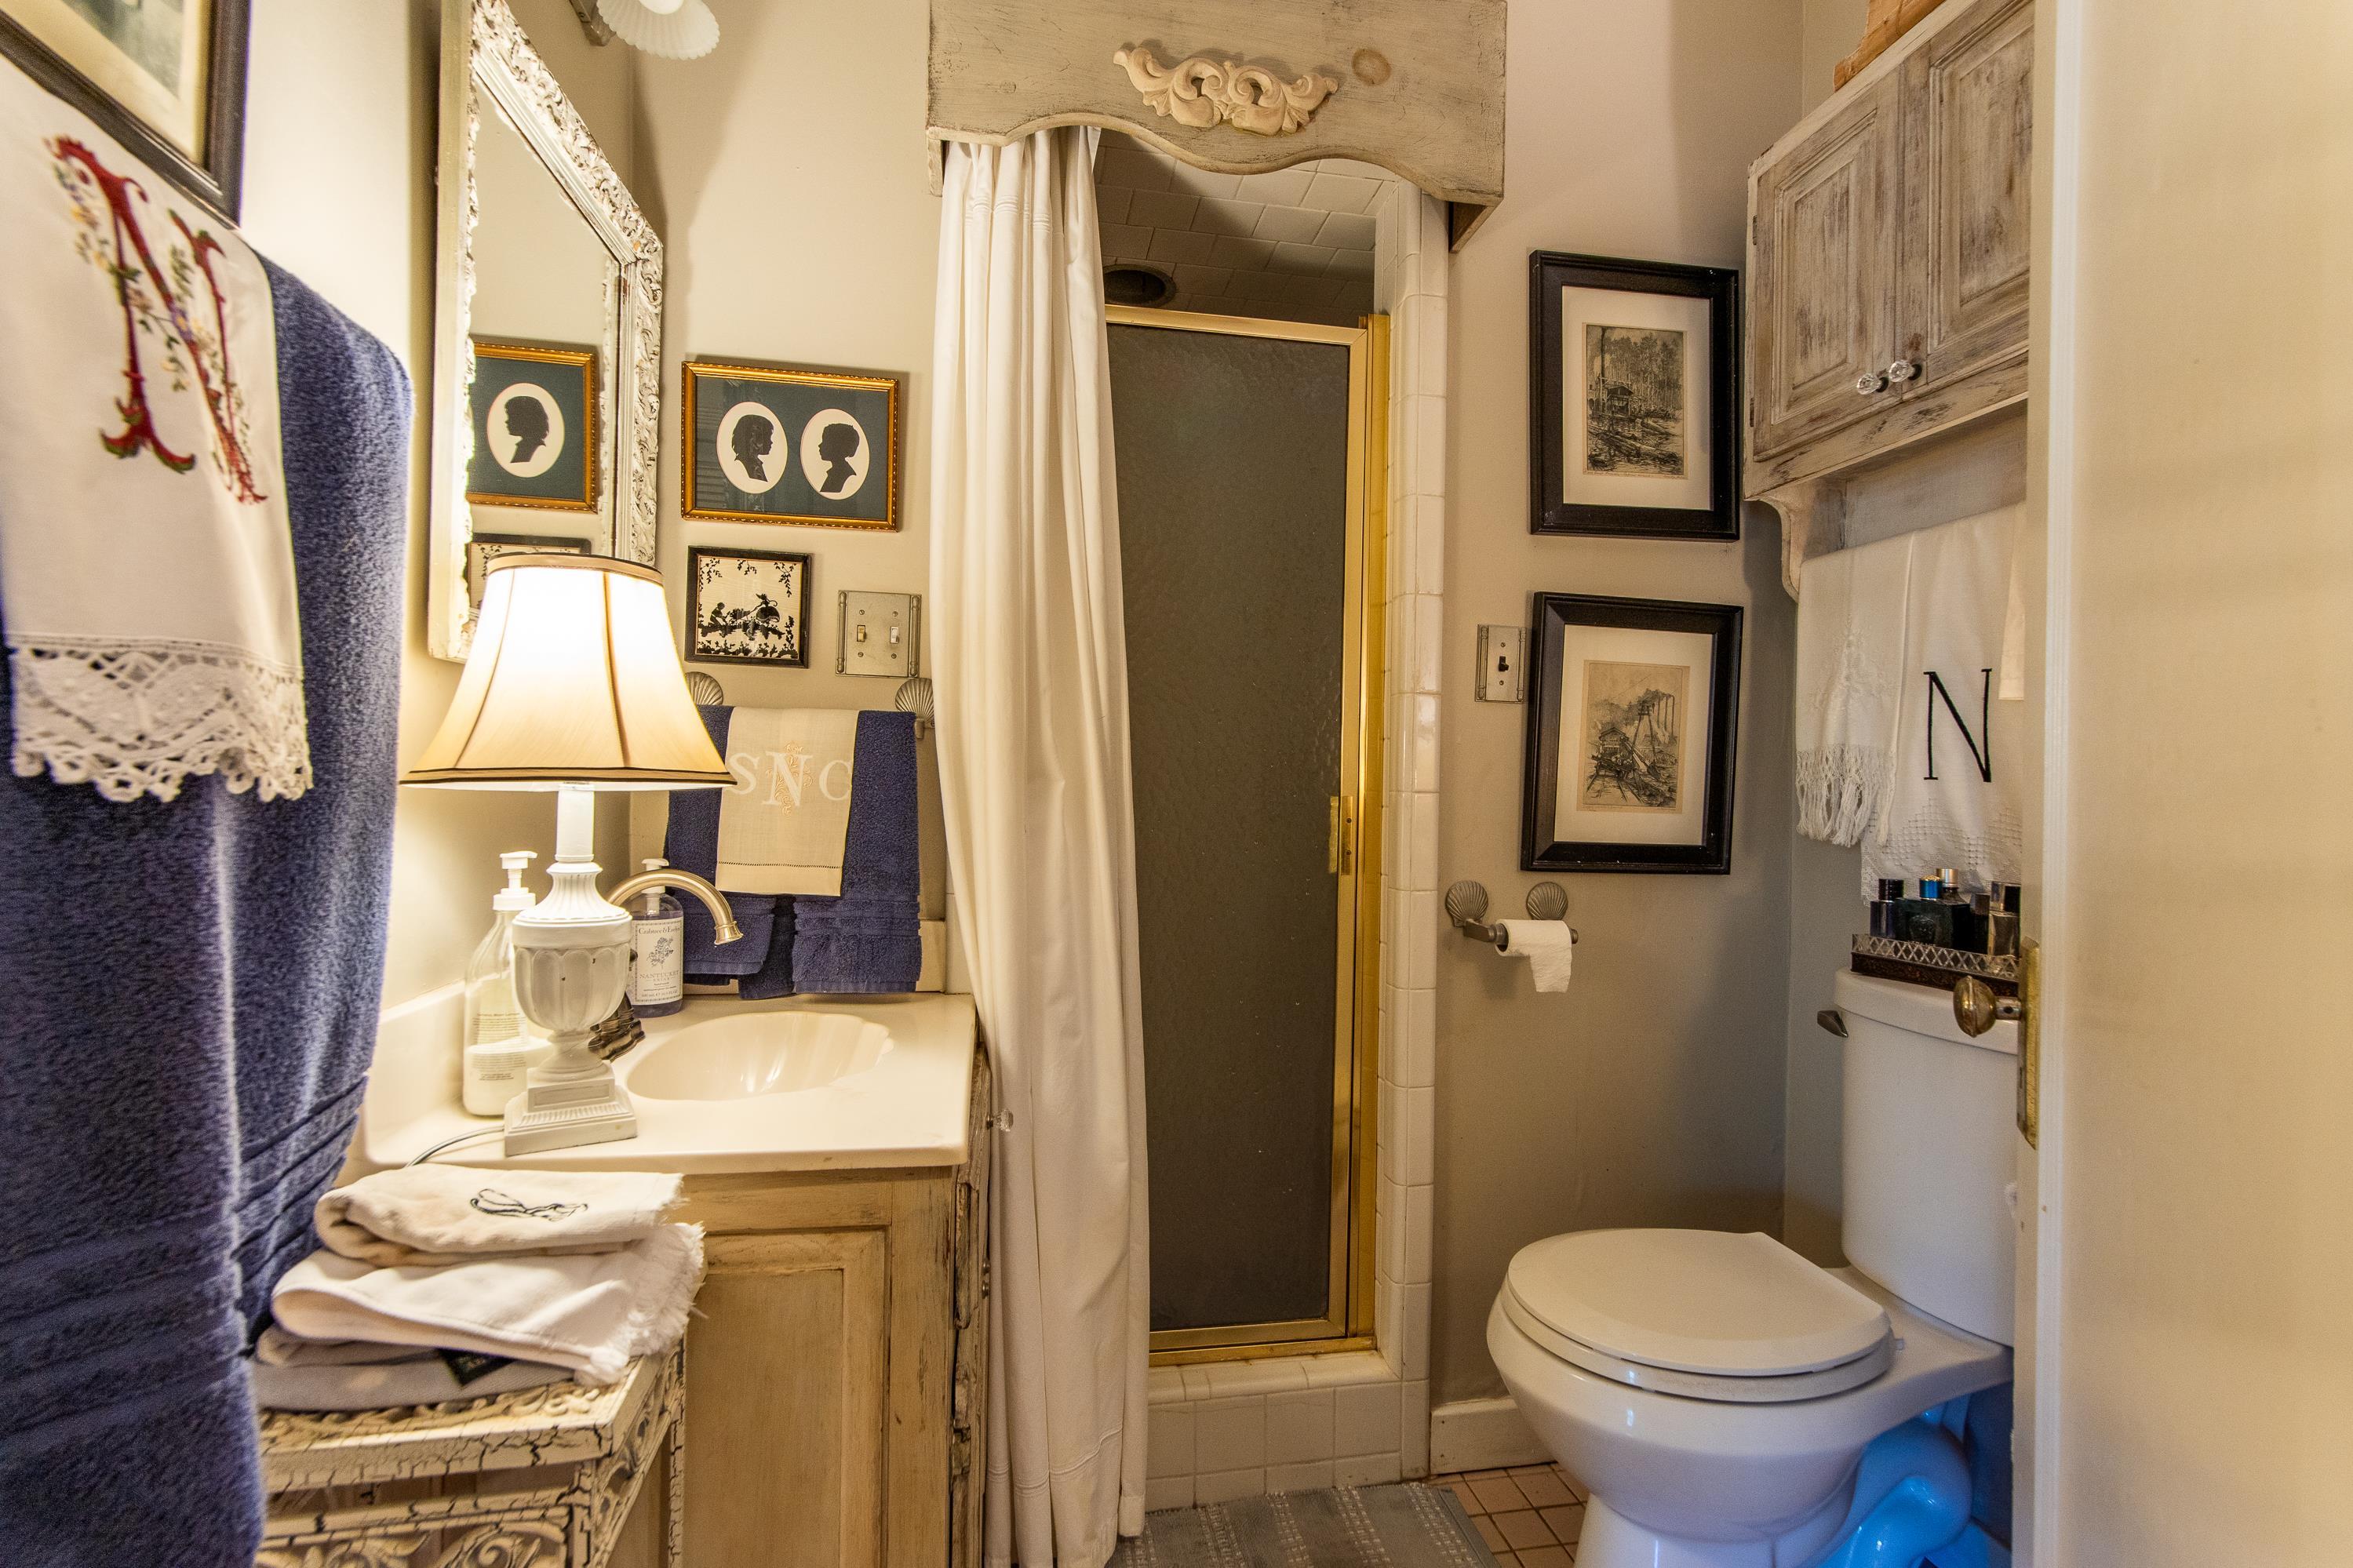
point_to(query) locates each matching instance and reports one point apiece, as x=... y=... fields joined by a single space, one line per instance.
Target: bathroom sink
x=743 y=1054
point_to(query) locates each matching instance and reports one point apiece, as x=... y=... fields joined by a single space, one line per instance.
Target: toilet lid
x=1706 y=1301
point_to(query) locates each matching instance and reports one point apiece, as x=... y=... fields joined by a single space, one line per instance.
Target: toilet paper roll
x=1546 y=945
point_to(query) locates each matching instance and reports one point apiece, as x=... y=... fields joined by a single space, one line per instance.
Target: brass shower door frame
x=1355 y=849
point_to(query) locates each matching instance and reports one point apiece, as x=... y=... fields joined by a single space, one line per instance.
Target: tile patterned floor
x=1529 y=1515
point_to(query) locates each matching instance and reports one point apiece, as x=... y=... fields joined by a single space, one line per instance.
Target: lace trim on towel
x=1840 y=791
x=133 y=717
x=1993 y=854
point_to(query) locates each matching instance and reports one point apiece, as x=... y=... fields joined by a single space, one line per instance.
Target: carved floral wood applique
x=1201 y=92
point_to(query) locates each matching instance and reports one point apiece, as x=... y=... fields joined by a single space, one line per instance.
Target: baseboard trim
x=1480 y=1434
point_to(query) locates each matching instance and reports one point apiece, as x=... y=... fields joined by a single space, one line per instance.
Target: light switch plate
x=1503 y=663
x=880 y=633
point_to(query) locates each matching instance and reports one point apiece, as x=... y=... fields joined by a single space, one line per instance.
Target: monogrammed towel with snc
x=782 y=823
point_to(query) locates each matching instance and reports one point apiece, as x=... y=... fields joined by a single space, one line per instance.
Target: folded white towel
x=1958 y=626
x=451 y=1213
x=593 y=1312
x=1851 y=627
x=423 y=1379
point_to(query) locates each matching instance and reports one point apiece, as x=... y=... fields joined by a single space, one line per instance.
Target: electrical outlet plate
x=880 y=633
x=1503 y=663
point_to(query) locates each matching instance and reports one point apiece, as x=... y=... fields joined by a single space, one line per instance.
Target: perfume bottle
x=1883 y=917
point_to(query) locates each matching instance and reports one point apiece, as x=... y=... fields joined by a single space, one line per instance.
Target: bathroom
x=869 y=1376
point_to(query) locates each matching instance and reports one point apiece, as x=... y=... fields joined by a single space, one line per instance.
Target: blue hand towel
x=196 y=985
x=870 y=939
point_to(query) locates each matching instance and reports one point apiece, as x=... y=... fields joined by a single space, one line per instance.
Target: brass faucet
x=721 y=917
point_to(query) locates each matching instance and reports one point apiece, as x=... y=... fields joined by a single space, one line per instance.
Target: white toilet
x=1716 y=1391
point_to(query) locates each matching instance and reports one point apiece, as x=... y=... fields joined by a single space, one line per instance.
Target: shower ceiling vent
x=1133 y=283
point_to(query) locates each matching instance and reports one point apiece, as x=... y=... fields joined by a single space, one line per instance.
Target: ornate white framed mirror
x=546 y=327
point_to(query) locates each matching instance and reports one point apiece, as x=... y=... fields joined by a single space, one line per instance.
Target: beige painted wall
x=1832 y=28
x=2205 y=1388
x=787 y=174
x=1650 y=1093
x=340 y=146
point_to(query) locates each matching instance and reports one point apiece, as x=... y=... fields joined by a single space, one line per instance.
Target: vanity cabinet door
x=1968 y=107
x=1821 y=276
x=788 y=1402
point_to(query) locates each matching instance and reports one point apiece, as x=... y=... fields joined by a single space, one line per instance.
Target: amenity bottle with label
x=498 y=1048
x=657 y=953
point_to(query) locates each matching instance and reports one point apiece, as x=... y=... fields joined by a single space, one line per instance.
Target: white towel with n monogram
x=145 y=558
x=785 y=823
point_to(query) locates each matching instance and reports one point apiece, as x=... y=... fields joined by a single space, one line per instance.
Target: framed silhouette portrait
x=747 y=607
x=766 y=444
x=534 y=414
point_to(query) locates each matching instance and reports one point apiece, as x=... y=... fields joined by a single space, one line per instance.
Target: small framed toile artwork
x=747 y=607
x=1633 y=398
x=774 y=445
x=534 y=427
x=1632 y=708
x=482 y=549
x=165 y=78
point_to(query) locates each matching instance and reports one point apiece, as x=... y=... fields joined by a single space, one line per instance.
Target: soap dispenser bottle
x=498 y=1050
x=657 y=953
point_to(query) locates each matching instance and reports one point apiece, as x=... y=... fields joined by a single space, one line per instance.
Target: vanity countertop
x=902 y=1102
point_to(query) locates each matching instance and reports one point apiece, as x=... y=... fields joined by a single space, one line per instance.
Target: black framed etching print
x=1633 y=397
x=766 y=444
x=165 y=78
x=1632 y=708
x=747 y=607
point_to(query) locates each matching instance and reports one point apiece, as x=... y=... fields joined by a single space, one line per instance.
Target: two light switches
x=880 y=633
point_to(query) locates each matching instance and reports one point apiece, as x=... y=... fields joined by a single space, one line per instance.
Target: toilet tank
x=1929 y=1159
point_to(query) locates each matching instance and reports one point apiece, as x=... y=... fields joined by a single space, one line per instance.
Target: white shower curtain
x=1030 y=673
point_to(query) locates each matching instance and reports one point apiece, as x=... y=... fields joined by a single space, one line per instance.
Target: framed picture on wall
x=1632 y=708
x=482 y=549
x=768 y=443
x=165 y=78
x=534 y=410
x=747 y=607
x=1633 y=398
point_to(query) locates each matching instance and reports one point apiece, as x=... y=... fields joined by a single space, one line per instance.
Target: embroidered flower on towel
x=490 y=1200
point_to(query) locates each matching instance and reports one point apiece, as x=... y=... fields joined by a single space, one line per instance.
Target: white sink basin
x=742 y=1054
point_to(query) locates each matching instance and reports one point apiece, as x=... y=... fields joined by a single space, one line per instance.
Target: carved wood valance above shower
x=1241 y=87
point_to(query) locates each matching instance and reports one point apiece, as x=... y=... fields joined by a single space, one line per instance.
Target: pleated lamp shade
x=572 y=681
x=675 y=29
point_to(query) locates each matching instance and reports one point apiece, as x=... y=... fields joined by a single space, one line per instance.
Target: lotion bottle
x=498 y=1048
x=657 y=953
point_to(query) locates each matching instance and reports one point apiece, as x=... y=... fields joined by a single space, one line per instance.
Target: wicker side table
x=543 y=1478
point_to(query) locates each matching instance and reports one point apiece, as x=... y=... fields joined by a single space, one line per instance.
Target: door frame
x=2047 y=581
x=1357 y=844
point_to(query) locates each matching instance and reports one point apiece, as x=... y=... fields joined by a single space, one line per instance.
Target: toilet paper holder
x=1466 y=906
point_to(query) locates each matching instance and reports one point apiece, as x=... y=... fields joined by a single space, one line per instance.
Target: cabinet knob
x=1870 y=382
x=1903 y=370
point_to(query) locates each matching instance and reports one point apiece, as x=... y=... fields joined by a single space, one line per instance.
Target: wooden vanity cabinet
x=835 y=1388
x=1889 y=251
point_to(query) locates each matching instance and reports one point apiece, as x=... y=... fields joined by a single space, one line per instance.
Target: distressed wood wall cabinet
x=554 y=1476
x=836 y=1389
x=1415 y=85
x=1888 y=264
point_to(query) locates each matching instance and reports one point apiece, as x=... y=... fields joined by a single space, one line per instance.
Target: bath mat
x=1405 y=1526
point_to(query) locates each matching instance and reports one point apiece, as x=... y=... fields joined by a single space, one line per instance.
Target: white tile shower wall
x=1230 y=1429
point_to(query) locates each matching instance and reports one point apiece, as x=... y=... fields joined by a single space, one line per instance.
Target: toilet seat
x=1711 y=1315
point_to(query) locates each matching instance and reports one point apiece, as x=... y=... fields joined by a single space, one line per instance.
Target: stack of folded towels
x=441 y=1282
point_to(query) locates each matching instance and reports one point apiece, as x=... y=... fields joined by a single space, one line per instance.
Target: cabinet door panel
x=1968 y=134
x=1822 y=288
x=787 y=1402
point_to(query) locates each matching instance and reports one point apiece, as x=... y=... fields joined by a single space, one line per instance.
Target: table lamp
x=574 y=686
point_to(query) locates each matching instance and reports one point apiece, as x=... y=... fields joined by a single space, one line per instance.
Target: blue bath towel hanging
x=194 y=990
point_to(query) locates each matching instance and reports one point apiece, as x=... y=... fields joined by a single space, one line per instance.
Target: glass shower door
x=1241 y=489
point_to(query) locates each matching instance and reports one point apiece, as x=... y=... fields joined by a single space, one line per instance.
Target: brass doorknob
x=1976 y=1008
